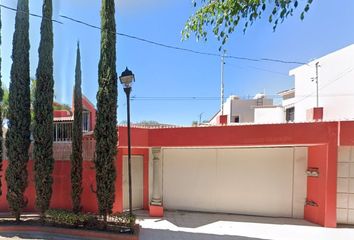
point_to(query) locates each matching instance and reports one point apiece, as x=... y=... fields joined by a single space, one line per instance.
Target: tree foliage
x=76 y=156
x=1 y=110
x=18 y=135
x=105 y=130
x=43 y=113
x=224 y=16
x=5 y=100
x=62 y=107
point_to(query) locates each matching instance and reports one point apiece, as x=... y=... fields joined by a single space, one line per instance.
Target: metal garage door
x=255 y=181
x=345 y=185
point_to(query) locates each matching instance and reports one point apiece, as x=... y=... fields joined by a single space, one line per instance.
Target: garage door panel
x=252 y=179
x=188 y=177
x=300 y=181
x=256 y=181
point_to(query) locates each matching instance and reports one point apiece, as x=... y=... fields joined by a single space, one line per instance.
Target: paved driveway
x=205 y=226
x=193 y=226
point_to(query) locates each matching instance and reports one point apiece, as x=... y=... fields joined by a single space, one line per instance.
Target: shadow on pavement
x=186 y=219
x=156 y=234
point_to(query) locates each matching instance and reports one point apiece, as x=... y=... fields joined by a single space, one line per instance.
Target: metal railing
x=62 y=150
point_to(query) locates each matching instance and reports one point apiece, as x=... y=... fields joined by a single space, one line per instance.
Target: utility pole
x=200 y=118
x=222 y=83
x=317 y=100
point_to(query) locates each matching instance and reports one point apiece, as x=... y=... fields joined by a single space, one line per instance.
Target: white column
x=156 y=193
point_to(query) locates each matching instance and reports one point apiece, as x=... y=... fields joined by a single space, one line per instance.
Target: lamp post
x=127 y=78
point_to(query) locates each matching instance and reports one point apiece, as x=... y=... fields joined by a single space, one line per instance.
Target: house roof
x=62 y=113
x=63 y=119
x=286 y=92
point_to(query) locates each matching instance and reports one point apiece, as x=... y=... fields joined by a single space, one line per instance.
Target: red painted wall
x=251 y=135
x=346 y=133
x=91 y=108
x=322 y=138
x=139 y=137
x=317 y=158
x=61 y=113
x=118 y=205
x=61 y=197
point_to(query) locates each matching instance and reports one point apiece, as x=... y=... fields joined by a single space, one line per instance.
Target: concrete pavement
x=196 y=226
x=180 y=225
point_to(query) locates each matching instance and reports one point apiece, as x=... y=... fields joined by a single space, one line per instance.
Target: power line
x=259 y=69
x=185 y=49
x=196 y=98
x=162 y=44
x=31 y=14
x=341 y=75
x=282 y=61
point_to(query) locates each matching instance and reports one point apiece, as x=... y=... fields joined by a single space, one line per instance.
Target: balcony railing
x=62 y=150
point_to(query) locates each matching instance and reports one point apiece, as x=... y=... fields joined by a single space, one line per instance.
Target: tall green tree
x=43 y=113
x=18 y=135
x=1 y=102
x=5 y=100
x=76 y=156
x=224 y=16
x=106 y=131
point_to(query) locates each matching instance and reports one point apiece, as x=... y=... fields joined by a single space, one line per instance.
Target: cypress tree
x=1 y=98
x=43 y=114
x=106 y=131
x=18 y=135
x=76 y=156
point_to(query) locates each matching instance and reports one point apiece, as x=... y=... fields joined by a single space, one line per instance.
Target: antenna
x=222 y=83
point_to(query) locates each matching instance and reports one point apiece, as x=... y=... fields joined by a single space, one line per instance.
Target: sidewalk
x=207 y=226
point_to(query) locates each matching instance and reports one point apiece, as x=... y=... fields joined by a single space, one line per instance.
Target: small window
x=290 y=114
x=85 y=121
x=62 y=131
x=237 y=119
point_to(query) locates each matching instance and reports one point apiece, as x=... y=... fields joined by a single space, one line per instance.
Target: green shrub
x=69 y=218
x=66 y=217
x=91 y=221
x=123 y=219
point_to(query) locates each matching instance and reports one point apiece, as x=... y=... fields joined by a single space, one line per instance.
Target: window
x=290 y=114
x=260 y=102
x=237 y=119
x=85 y=121
x=62 y=131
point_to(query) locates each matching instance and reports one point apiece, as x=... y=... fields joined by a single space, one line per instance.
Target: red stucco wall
x=321 y=138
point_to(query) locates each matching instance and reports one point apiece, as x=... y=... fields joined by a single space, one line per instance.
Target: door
x=345 y=185
x=253 y=181
x=137 y=167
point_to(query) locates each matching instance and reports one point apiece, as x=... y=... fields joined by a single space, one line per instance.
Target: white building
x=335 y=86
x=288 y=102
x=331 y=99
x=244 y=110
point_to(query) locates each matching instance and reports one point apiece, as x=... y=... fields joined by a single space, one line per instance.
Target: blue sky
x=164 y=72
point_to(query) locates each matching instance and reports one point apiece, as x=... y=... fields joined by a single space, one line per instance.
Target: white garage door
x=255 y=181
x=345 y=185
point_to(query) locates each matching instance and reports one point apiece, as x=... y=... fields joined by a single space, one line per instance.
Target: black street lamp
x=127 y=78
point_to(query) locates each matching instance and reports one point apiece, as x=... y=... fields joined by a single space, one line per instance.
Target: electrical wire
x=186 y=49
x=159 y=43
x=341 y=75
x=31 y=14
x=137 y=98
x=257 y=68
